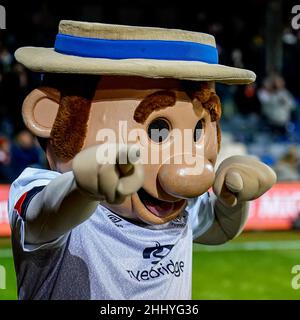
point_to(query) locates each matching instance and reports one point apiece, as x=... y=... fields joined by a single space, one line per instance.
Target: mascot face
x=171 y=120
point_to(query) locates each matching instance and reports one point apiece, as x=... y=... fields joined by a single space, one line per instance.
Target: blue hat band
x=135 y=49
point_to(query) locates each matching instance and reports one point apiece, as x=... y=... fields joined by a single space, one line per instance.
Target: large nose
x=186 y=180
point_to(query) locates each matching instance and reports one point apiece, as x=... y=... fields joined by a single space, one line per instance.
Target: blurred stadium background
x=262 y=119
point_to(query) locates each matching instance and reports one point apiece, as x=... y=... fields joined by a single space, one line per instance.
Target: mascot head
x=121 y=84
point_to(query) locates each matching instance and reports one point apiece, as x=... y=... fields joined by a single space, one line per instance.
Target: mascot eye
x=198 y=130
x=158 y=130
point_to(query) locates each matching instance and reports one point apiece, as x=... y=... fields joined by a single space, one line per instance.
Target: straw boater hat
x=106 y=49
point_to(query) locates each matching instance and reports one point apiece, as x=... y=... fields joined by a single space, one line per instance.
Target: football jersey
x=105 y=257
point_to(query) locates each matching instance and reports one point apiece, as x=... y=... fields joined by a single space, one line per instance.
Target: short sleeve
x=201 y=214
x=22 y=190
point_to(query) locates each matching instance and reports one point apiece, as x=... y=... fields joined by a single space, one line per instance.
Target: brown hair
x=211 y=102
x=155 y=101
x=75 y=94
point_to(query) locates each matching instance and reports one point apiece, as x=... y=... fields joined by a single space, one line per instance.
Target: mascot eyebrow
x=155 y=101
x=167 y=98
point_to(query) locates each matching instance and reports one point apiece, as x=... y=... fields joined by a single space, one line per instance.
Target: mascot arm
x=71 y=198
x=239 y=179
x=58 y=208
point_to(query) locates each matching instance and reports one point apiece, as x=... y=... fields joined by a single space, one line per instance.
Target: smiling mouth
x=159 y=208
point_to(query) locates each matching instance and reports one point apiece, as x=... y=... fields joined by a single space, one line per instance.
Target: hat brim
x=46 y=60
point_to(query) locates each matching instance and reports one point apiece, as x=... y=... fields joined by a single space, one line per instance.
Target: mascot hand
x=109 y=171
x=242 y=178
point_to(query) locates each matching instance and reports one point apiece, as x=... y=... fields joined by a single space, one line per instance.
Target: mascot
x=129 y=120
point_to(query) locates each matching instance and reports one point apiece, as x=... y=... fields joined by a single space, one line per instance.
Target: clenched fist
x=242 y=178
x=108 y=172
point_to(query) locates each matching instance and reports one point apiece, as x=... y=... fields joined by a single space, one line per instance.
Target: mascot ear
x=39 y=111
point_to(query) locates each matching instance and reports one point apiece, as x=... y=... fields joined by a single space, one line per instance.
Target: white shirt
x=107 y=257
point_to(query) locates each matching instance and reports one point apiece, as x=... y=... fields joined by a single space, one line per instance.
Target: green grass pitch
x=257 y=265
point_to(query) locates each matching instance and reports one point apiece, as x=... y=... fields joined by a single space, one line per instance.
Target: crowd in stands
x=261 y=119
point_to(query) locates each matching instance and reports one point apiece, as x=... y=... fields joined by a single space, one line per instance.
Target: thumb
x=234 y=181
x=233 y=184
x=133 y=182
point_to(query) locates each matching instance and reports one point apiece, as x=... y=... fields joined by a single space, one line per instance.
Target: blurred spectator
x=24 y=153
x=287 y=168
x=6 y=58
x=13 y=91
x=247 y=100
x=277 y=103
x=5 y=160
x=237 y=58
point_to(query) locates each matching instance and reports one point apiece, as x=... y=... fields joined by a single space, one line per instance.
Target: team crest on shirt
x=157 y=252
x=159 y=266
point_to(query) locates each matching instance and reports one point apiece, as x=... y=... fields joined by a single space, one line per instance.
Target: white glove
x=242 y=178
x=108 y=180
